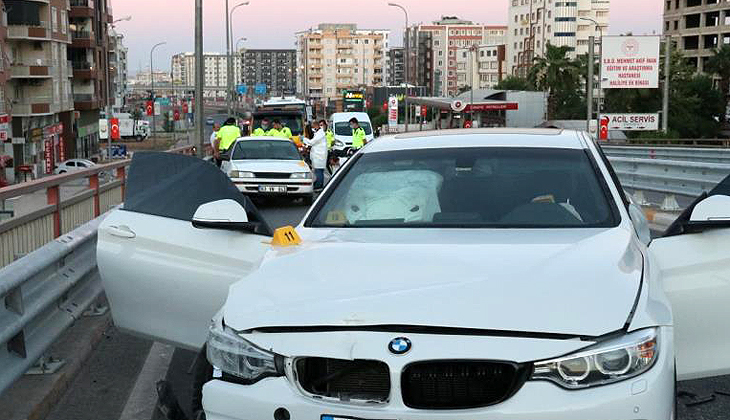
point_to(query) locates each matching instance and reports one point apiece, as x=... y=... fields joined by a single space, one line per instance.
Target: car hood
x=284 y=166
x=579 y=282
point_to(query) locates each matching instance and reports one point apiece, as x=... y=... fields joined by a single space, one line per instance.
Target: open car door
x=694 y=257
x=164 y=275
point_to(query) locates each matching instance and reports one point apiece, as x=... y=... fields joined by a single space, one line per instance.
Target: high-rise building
x=89 y=55
x=337 y=57
x=697 y=26
x=277 y=69
x=215 y=72
x=118 y=68
x=396 y=66
x=480 y=67
x=442 y=39
x=535 y=23
x=37 y=94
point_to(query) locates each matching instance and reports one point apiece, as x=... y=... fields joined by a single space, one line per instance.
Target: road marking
x=143 y=398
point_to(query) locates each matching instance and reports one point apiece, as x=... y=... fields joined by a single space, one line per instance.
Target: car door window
x=71 y=164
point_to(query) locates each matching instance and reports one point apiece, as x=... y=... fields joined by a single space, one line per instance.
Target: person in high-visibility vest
x=329 y=135
x=225 y=137
x=358 y=134
x=280 y=131
x=261 y=131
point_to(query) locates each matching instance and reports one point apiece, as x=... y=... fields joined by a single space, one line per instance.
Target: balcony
x=82 y=9
x=84 y=70
x=37 y=106
x=83 y=39
x=86 y=102
x=31 y=31
x=40 y=69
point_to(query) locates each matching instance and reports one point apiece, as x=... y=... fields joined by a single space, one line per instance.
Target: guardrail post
x=53 y=196
x=670 y=203
x=94 y=185
x=121 y=175
x=640 y=199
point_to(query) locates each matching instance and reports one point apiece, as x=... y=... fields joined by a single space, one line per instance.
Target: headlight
x=301 y=175
x=608 y=362
x=235 y=356
x=241 y=174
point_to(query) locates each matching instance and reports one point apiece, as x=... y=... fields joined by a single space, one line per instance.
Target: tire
x=61 y=172
x=139 y=139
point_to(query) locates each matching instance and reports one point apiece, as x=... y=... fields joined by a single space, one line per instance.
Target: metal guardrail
x=687 y=154
x=44 y=293
x=676 y=142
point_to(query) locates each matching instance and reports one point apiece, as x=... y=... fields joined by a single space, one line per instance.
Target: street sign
x=458 y=106
x=630 y=62
x=260 y=89
x=158 y=108
x=48 y=156
x=4 y=128
x=103 y=129
x=393 y=111
x=114 y=130
x=242 y=89
x=633 y=122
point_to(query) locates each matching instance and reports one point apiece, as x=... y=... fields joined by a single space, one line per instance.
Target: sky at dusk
x=272 y=23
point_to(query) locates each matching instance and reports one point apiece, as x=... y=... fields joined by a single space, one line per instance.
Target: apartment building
x=480 y=67
x=532 y=24
x=396 y=66
x=215 y=72
x=698 y=26
x=118 y=68
x=441 y=40
x=335 y=57
x=37 y=97
x=89 y=55
x=6 y=145
x=276 y=69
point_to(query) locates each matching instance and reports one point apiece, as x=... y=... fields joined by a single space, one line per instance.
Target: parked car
x=270 y=167
x=343 y=133
x=481 y=274
x=72 y=165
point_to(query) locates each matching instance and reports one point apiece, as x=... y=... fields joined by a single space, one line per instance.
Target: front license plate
x=331 y=417
x=272 y=189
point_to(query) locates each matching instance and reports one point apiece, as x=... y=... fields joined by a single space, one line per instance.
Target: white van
x=343 y=132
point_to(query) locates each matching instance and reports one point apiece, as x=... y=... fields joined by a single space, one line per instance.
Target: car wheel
x=139 y=139
x=62 y=172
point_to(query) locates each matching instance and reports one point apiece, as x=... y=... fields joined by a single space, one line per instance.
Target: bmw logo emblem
x=400 y=345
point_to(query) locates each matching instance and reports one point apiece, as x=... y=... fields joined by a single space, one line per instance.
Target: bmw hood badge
x=400 y=345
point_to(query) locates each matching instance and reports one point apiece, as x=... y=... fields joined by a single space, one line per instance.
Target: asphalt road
x=102 y=390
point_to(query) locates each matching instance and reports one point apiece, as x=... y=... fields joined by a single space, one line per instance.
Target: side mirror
x=715 y=208
x=222 y=214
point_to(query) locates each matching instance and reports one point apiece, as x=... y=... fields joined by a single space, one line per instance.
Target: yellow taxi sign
x=286 y=236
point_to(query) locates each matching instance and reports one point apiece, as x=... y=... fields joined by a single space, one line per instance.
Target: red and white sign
x=150 y=108
x=48 y=155
x=506 y=106
x=630 y=62
x=633 y=122
x=467 y=124
x=603 y=132
x=116 y=135
x=61 y=149
x=458 y=106
x=4 y=128
x=424 y=110
x=392 y=111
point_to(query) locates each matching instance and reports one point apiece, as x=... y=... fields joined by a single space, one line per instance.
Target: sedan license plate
x=330 y=417
x=272 y=189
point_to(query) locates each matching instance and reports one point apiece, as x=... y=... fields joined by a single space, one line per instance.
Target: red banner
x=509 y=106
x=423 y=111
x=603 y=132
x=114 y=122
x=48 y=155
x=150 y=108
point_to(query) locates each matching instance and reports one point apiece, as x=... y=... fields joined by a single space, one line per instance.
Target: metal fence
x=686 y=154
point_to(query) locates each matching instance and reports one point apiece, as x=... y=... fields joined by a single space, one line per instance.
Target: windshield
x=469 y=187
x=294 y=122
x=343 y=128
x=265 y=149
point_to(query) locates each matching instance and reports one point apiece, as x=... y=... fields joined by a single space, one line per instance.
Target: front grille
x=346 y=380
x=460 y=384
x=271 y=175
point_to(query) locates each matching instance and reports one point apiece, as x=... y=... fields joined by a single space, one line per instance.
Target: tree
x=719 y=64
x=463 y=89
x=514 y=83
x=559 y=76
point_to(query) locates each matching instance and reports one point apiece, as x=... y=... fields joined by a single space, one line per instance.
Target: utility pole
x=589 y=81
x=152 y=88
x=667 y=72
x=228 y=60
x=408 y=58
x=199 y=80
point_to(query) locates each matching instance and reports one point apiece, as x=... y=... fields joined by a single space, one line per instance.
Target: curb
x=33 y=397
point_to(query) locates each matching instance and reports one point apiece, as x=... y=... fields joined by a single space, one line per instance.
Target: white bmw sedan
x=473 y=274
x=269 y=166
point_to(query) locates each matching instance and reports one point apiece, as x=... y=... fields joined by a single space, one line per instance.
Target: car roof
x=345 y=116
x=480 y=137
x=260 y=138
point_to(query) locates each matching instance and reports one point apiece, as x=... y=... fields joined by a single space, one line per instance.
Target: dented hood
x=580 y=282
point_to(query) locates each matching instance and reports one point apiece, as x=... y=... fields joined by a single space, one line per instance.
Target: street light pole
x=229 y=61
x=244 y=39
x=408 y=56
x=199 y=80
x=109 y=110
x=152 y=87
x=600 y=77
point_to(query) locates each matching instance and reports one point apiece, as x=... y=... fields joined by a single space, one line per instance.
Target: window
x=466 y=188
x=265 y=149
x=54 y=18
x=64 y=22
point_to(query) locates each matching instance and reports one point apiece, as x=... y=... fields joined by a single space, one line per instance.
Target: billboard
x=633 y=122
x=393 y=111
x=630 y=62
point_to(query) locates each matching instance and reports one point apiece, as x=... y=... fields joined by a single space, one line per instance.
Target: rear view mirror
x=715 y=208
x=222 y=214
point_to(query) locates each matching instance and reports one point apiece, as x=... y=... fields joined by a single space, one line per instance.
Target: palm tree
x=719 y=64
x=556 y=74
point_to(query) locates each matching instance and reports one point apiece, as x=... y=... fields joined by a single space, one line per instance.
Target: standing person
x=263 y=130
x=328 y=133
x=358 y=134
x=318 y=153
x=225 y=138
x=213 y=136
x=280 y=131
